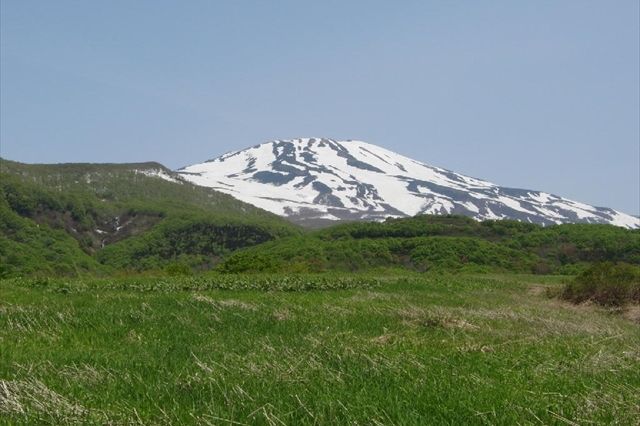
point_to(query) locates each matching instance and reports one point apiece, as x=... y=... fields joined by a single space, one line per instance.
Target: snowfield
x=324 y=179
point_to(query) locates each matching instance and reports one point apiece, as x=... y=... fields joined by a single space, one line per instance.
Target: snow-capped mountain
x=314 y=179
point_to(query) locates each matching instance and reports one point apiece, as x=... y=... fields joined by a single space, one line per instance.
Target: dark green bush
x=607 y=283
x=177 y=269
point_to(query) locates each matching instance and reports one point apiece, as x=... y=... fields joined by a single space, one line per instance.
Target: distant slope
x=442 y=243
x=315 y=180
x=119 y=216
x=27 y=247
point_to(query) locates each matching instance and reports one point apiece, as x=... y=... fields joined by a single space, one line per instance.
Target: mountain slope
x=313 y=179
x=76 y=218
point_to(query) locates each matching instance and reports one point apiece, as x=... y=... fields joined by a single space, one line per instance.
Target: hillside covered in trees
x=443 y=243
x=71 y=219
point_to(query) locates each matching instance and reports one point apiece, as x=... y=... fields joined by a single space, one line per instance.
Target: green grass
x=431 y=349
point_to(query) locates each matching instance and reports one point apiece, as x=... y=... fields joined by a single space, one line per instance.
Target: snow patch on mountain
x=159 y=174
x=311 y=179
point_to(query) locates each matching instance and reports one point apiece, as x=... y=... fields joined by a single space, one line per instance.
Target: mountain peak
x=314 y=179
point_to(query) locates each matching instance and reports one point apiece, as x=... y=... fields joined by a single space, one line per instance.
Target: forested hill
x=71 y=219
x=99 y=218
x=443 y=243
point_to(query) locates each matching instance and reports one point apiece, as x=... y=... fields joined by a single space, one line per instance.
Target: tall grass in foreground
x=389 y=350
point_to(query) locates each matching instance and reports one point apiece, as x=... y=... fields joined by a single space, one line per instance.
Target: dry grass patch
x=415 y=316
x=224 y=303
x=84 y=373
x=632 y=313
x=384 y=339
x=368 y=296
x=539 y=290
x=282 y=314
x=28 y=397
x=336 y=310
x=232 y=303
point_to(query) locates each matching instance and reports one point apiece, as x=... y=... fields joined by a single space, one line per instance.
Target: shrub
x=541 y=268
x=177 y=268
x=608 y=284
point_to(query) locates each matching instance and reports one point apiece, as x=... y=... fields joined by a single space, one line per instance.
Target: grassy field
x=404 y=350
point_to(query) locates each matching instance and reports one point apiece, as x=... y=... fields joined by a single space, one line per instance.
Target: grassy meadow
x=311 y=349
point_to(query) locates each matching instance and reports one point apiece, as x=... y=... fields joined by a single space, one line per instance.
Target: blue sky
x=535 y=94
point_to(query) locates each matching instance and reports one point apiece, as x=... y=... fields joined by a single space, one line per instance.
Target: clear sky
x=534 y=94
